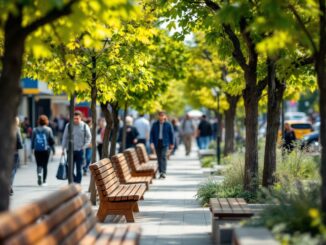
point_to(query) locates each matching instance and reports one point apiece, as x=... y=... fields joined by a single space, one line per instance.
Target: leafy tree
x=208 y=72
x=229 y=23
x=17 y=21
x=302 y=24
x=19 y=25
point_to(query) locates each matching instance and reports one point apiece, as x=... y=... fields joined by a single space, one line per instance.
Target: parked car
x=300 y=129
x=310 y=142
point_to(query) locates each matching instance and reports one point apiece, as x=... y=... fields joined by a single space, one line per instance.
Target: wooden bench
x=137 y=169
x=63 y=217
x=120 y=164
x=253 y=236
x=142 y=154
x=115 y=198
x=226 y=211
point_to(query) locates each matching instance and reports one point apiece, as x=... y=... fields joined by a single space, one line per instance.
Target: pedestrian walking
x=88 y=150
x=143 y=127
x=82 y=138
x=176 y=131
x=42 y=141
x=288 y=138
x=27 y=135
x=187 y=131
x=204 y=132
x=19 y=145
x=100 y=136
x=161 y=138
x=131 y=135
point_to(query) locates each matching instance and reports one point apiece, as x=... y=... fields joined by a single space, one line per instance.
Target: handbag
x=62 y=172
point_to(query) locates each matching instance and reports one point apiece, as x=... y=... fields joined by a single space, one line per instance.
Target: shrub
x=207 y=190
x=211 y=188
x=294 y=217
x=208 y=161
x=298 y=165
x=231 y=186
x=234 y=170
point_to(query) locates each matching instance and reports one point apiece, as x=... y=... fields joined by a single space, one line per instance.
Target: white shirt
x=160 y=135
x=143 y=128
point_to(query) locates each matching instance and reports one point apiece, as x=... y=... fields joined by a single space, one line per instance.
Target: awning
x=31 y=86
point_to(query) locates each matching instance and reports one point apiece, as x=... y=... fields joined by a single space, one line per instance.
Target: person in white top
x=143 y=127
x=187 y=131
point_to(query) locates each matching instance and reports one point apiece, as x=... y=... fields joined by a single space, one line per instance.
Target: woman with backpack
x=42 y=140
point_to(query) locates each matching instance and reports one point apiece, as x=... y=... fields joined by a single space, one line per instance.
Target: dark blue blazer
x=167 y=134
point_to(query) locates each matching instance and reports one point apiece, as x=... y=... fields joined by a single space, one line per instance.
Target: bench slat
x=66 y=217
x=125 y=176
x=35 y=232
x=142 y=153
x=135 y=166
x=13 y=222
x=225 y=205
x=243 y=204
x=229 y=207
x=75 y=221
x=80 y=231
x=114 y=196
x=92 y=236
x=138 y=190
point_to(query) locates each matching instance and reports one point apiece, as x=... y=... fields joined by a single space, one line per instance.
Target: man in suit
x=161 y=137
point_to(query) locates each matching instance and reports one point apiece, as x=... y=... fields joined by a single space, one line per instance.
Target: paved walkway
x=169 y=213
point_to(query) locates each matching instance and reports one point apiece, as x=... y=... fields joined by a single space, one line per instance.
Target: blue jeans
x=198 y=143
x=204 y=141
x=161 y=158
x=88 y=157
x=78 y=164
x=14 y=167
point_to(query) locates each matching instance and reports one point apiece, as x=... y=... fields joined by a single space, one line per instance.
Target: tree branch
x=261 y=85
x=51 y=16
x=303 y=27
x=304 y=61
x=253 y=56
x=237 y=52
x=212 y=5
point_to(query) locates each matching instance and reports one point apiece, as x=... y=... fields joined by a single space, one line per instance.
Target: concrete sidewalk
x=169 y=213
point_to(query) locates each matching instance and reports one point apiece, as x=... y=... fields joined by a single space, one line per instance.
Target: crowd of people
x=161 y=137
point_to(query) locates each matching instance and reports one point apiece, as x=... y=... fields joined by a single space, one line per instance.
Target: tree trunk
x=108 y=128
x=251 y=98
x=275 y=95
x=229 y=124
x=10 y=93
x=124 y=130
x=92 y=187
x=115 y=111
x=320 y=64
